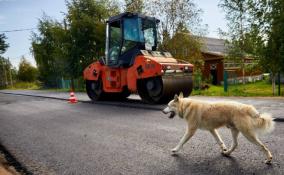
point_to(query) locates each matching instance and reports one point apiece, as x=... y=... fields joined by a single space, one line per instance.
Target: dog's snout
x=166 y=110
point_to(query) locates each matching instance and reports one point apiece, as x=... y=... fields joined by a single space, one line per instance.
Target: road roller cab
x=132 y=64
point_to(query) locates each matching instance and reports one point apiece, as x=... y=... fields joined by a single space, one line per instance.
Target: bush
x=27 y=72
x=26 y=85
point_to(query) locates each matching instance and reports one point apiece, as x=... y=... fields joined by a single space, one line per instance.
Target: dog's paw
x=174 y=151
x=268 y=161
x=226 y=153
x=224 y=148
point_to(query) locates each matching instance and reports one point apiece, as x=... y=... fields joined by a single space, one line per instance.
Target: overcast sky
x=24 y=14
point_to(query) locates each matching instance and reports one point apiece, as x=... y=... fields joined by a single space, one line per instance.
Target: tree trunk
x=72 y=84
x=279 y=83
x=11 y=78
x=273 y=83
x=5 y=74
x=243 y=70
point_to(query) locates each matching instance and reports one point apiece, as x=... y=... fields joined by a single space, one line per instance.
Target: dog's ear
x=180 y=95
x=176 y=98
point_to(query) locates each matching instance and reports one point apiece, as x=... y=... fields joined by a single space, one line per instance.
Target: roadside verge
x=9 y=164
x=5 y=168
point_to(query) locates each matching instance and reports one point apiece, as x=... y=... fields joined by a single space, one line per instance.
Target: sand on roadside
x=5 y=169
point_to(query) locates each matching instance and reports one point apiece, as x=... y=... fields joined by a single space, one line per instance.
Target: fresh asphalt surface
x=50 y=136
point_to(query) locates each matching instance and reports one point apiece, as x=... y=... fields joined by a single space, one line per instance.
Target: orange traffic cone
x=72 y=98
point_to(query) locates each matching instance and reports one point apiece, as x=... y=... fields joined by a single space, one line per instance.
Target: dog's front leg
x=218 y=139
x=188 y=134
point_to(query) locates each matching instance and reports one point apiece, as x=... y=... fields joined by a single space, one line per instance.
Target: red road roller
x=132 y=64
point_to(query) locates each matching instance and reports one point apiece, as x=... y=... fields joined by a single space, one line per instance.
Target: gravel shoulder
x=5 y=167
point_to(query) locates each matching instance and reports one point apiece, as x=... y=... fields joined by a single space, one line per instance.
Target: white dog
x=210 y=116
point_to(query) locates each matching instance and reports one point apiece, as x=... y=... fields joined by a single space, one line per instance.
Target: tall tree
x=237 y=15
x=5 y=65
x=179 y=22
x=273 y=57
x=261 y=34
x=268 y=17
x=86 y=24
x=189 y=49
x=3 y=44
x=4 y=69
x=48 y=48
x=175 y=12
x=65 y=49
x=134 y=6
x=238 y=18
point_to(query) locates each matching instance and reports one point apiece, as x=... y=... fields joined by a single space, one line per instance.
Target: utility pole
x=11 y=78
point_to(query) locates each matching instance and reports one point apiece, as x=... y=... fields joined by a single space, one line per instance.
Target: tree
x=27 y=72
x=180 y=24
x=5 y=65
x=250 y=46
x=273 y=55
x=184 y=46
x=237 y=15
x=3 y=44
x=4 y=68
x=134 y=6
x=268 y=16
x=64 y=49
x=261 y=34
x=48 y=49
x=86 y=26
x=238 y=18
x=175 y=12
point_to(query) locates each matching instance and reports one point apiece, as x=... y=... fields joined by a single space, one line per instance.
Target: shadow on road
x=219 y=165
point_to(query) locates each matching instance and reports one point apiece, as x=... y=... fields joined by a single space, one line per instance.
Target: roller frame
x=133 y=79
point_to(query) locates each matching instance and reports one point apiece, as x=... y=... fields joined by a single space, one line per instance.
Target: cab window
x=132 y=33
x=114 y=42
x=149 y=34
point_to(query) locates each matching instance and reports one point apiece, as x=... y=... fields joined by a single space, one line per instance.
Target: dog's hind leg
x=188 y=134
x=253 y=138
x=218 y=139
x=235 y=134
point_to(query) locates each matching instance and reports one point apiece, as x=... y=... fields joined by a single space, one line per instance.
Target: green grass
x=261 y=88
x=25 y=85
x=37 y=86
x=64 y=90
x=56 y=90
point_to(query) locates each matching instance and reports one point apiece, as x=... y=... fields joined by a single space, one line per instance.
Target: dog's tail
x=263 y=124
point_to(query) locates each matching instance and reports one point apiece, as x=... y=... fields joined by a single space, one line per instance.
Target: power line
x=17 y=30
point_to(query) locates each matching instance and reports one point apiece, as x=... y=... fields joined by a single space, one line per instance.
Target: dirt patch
x=5 y=169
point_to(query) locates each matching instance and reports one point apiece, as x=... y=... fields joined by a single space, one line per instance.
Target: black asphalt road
x=53 y=137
